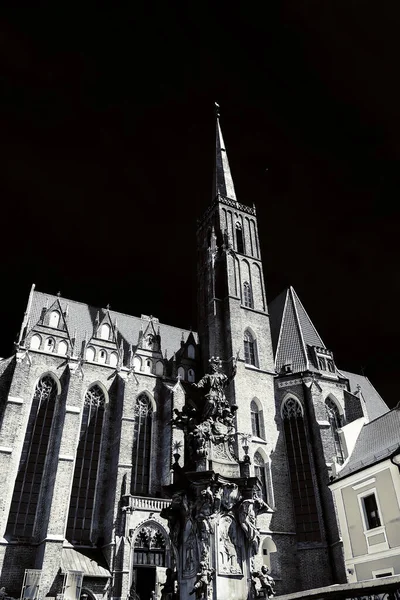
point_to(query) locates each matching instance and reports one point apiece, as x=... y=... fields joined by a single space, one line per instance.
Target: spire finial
x=217 y=110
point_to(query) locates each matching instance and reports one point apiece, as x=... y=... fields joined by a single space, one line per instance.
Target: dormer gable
x=149 y=335
x=50 y=334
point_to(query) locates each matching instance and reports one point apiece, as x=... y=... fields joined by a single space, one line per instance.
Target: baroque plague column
x=215 y=502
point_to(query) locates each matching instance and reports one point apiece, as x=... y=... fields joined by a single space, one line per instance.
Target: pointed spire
x=223 y=182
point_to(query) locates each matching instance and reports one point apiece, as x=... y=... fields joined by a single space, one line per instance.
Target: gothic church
x=87 y=444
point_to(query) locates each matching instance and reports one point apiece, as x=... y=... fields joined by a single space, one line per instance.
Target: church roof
x=378 y=440
x=223 y=182
x=375 y=405
x=81 y=320
x=292 y=332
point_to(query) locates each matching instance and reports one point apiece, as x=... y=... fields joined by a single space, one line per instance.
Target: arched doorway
x=151 y=556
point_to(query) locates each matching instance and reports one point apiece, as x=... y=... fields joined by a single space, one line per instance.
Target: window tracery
x=247 y=295
x=143 y=411
x=249 y=349
x=150 y=546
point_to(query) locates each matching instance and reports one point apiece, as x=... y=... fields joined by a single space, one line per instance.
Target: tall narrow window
x=335 y=421
x=54 y=319
x=371 y=512
x=247 y=296
x=31 y=467
x=249 y=349
x=257 y=425
x=191 y=351
x=142 y=446
x=260 y=472
x=84 y=482
x=304 y=501
x=239 y=238
x=105 y=332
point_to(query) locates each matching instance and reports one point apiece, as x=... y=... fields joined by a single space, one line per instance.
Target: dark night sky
x=107 y=141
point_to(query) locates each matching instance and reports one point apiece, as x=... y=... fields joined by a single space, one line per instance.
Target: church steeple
x=223 y=182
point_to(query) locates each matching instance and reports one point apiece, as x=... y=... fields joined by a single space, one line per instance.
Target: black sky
x=107 y=141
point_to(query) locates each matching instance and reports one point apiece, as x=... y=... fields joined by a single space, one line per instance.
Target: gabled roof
x=378 y=440
x=81 y=323
x=292 y=332
x=375 y=405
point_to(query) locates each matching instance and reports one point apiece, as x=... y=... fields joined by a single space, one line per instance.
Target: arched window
x=191 y=375
x=54 y=319
x=105 y=331
x=142 y=446
x=191 y=351
x=257 y=425
x=113 y=359
x=249 y=349
x=28 y=482
x=137 y=363
x=102 y=356
x=84 y=482
x=304 y=502
x=35 y=342
x=149 y=546
x=49 y=345
x=90 y=354
x=159 y=368
x=62 y=348
x=247 y=297
x=336 y=422
x=147 y=365
x=181 y=373
x=239 y=238
x=260 y=471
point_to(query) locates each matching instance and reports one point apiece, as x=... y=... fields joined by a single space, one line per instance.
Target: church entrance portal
x=145 y=582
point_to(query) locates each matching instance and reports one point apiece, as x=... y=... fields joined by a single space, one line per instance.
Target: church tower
x=233 y=316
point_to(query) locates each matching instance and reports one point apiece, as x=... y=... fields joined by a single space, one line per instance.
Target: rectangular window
x=371 y=511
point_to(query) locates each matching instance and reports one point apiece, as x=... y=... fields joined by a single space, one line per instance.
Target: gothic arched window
x=239 y=238
x=181 y=373
x=28 y=482
x=84 y=482
x=191 y=375
x=304 y=501
x=149 y=547
x=62 y=348
x=249 y=349
x=260 y=471
x=36 y=340
x=335 y=421
x=90 y=354
x=191 y=351
x=142 y=446
x=257 y=425
x=247 y=296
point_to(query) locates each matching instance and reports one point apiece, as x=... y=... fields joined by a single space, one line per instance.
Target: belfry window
x=335 y=422
x=304 y=501
x=247 y=296
x=142 y=446
x=84 y=482
x=249 y=349
x=31 y=467
x=257 y=425
x=239 y=238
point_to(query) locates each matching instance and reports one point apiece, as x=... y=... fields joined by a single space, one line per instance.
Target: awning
x=90 y=561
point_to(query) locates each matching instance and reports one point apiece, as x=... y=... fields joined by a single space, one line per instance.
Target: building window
x=105 y=332
x=239 y=238
x=321 y=363
x=304 y=501
x=137 y=363
x=90 y=354
x=371 y=511
x=102 y=356
x=181 y=373
x=335 y=422
x=247 y=297
x=191 y=351
x=257 y=425
x=35 y=342
x=260 y=471
x=331 y=365
x=31 y=467
x=149 y=547
x=159 y=368
x=84 y=482
x=54 y=319
x=62 y=348
x=142 y=446
x=49 y=345
x=249 y=349
x=191 y=375
x=113 y=359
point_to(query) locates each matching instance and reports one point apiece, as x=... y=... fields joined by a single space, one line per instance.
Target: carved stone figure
x=247 y=514
x=266 y=581
x=213 y=385
x=203 y=580
x=229 y=551
x=175 y=514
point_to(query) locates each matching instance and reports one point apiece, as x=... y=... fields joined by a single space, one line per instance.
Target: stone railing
x=146 y=503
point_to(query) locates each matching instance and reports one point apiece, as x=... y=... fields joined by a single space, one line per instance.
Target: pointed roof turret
x=223 y=182
x=292 y=332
